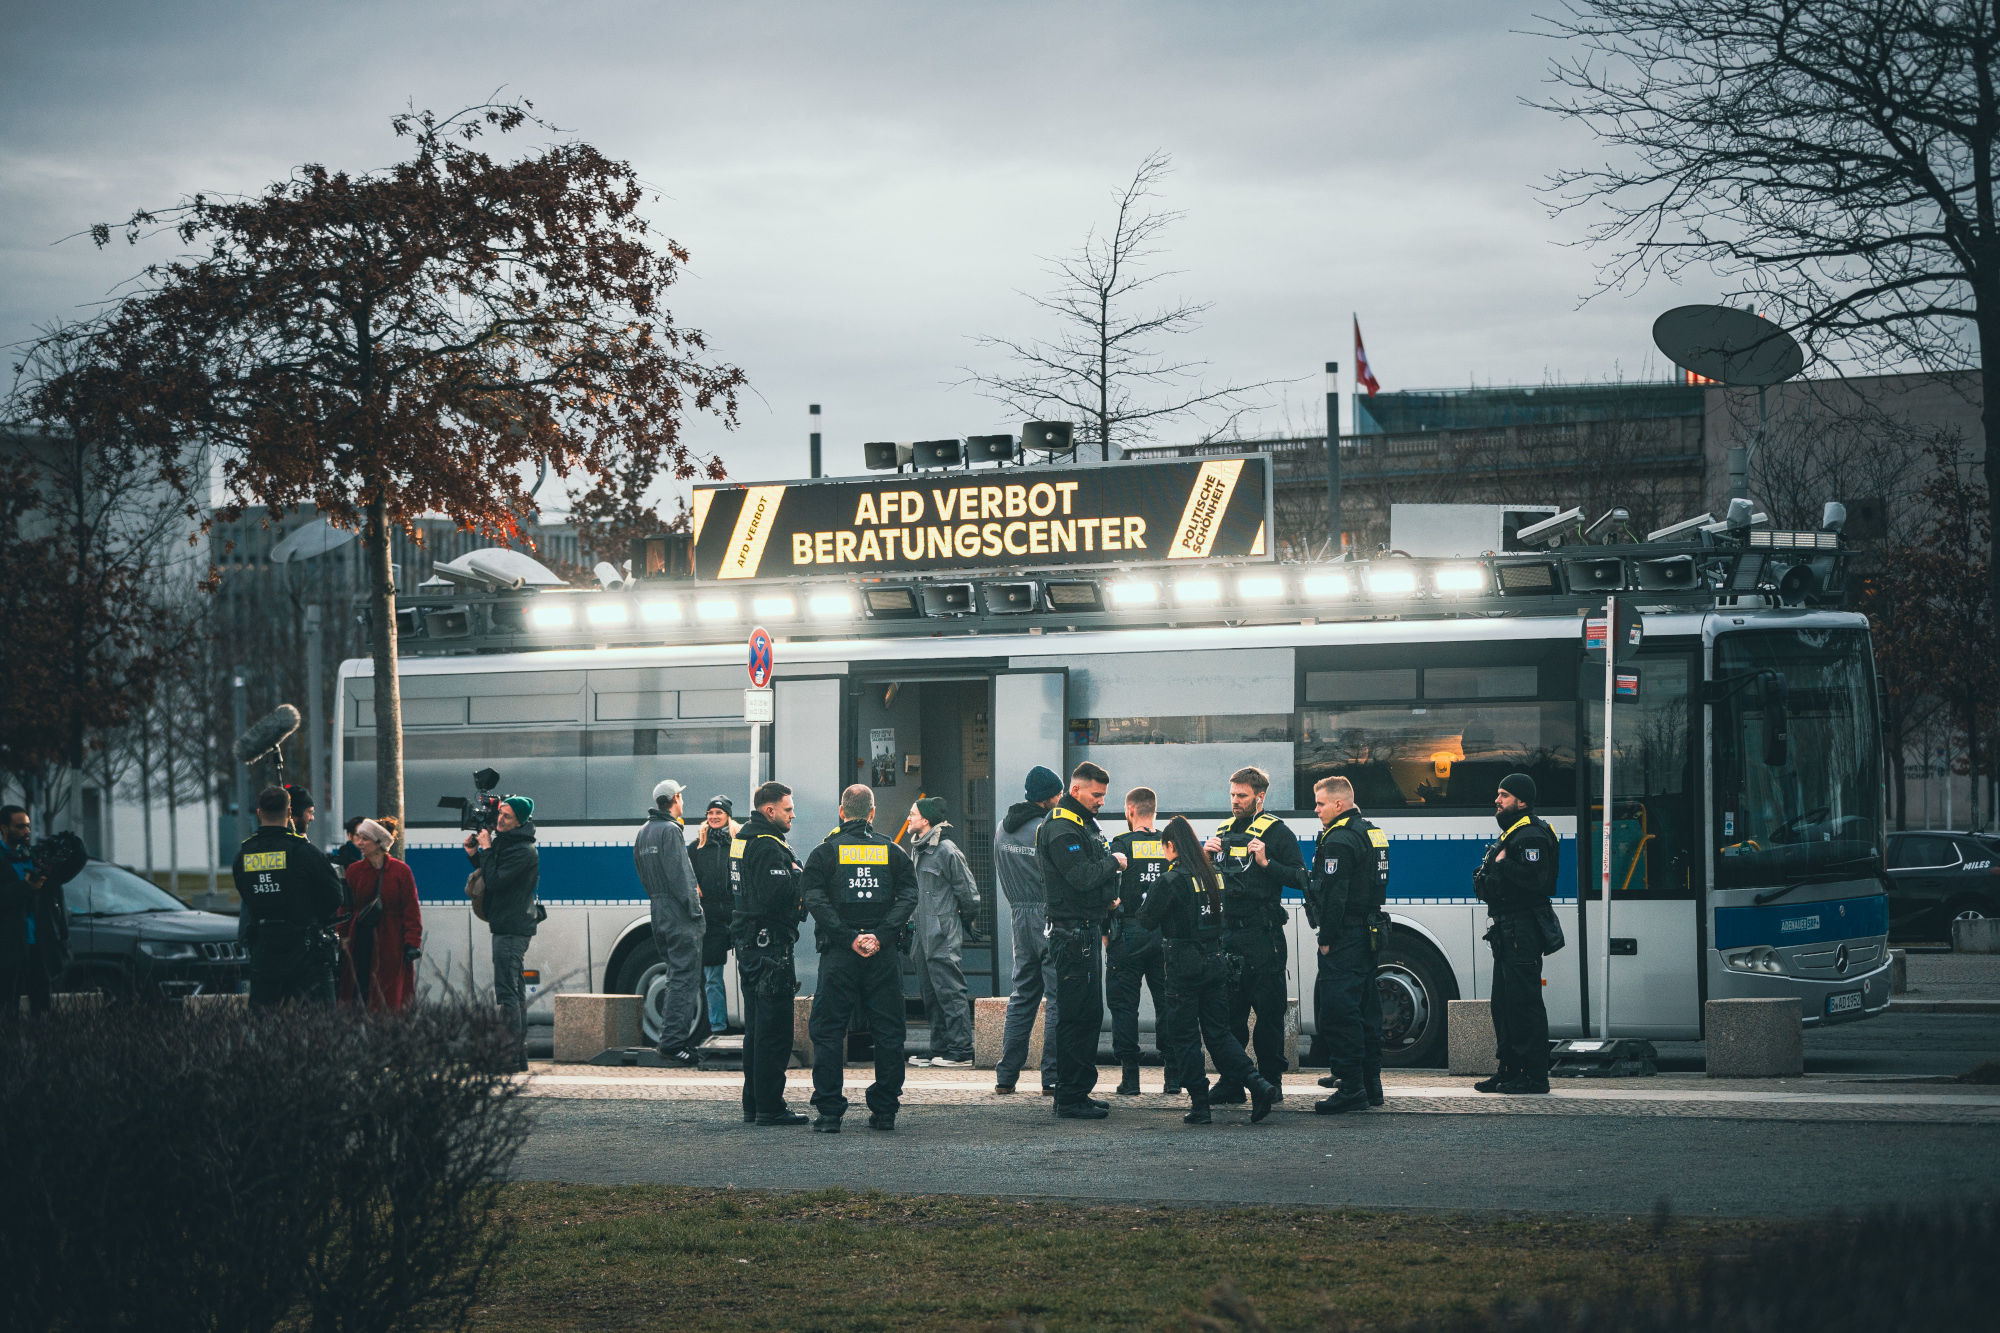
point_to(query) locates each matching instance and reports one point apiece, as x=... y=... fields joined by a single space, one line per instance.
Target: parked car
x=132 y=939
x=1937 y=877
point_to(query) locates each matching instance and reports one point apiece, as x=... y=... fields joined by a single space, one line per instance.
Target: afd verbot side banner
x=1112 y=513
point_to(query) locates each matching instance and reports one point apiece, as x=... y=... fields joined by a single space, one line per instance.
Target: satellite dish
x=497 y=567
x=315 y=538
x=1728 y=345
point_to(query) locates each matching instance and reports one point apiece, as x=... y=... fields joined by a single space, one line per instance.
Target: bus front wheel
x=641 y=972
x=1415 y=986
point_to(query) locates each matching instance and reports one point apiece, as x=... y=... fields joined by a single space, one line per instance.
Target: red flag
x=1363 y=376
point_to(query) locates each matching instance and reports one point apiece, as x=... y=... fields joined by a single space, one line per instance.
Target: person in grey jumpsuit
x=946 y=893
x=661 y=856
x=1034 y=974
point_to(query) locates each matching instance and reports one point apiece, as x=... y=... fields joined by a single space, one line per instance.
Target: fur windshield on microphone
x=267 y=734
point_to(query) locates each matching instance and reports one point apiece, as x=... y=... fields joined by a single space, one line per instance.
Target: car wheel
x=1415 y=986
x=1966 y=909
x=644 y=974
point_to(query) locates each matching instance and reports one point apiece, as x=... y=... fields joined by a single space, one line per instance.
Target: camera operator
x=507 y=861
x=290 y=895
x=34 y=928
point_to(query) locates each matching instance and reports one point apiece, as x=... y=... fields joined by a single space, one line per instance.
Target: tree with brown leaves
x=412 y=340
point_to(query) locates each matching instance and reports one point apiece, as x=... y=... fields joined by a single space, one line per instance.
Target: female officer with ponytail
x=1185 y=906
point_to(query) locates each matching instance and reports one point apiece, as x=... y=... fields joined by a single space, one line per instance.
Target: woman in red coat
x=383 y=935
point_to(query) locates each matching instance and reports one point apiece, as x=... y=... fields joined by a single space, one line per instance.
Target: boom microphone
x=269 y=732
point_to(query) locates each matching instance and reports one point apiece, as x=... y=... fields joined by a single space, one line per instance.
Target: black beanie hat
x=1520 y=786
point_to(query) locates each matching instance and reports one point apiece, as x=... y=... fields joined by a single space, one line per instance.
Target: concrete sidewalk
x=1951 y=983
x=1424 y=1092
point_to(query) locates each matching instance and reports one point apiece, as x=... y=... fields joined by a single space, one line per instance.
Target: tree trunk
x=1898 y=761
x=382 y=650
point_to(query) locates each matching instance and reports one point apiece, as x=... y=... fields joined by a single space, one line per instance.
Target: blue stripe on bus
x=1431 y=869
x=1779 y=924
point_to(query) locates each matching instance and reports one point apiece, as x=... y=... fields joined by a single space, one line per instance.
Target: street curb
x=1945 y=1006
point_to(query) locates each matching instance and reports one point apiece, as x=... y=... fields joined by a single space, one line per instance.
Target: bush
x=236 y=1169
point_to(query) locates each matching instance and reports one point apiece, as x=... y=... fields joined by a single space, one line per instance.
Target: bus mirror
x=1777 y=722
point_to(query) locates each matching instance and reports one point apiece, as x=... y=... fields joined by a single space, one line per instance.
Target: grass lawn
x=595 y=1257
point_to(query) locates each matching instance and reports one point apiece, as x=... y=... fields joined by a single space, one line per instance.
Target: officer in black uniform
x=1259 y=858
x=1132 y=952
x=1081 y=877
x=764 y=875
x=1349 y=882
x=861 y=890
x=1515 y=882
x=290 y=896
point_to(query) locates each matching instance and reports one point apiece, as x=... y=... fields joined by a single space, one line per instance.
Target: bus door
x=805 y=756
x=1656 y=874
x=1031 y=708
x=926 y=729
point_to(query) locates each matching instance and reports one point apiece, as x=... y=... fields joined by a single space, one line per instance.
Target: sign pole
x=759 y=706
x=756 y=753
x=1604 y=853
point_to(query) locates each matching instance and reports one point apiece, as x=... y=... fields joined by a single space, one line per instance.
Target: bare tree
x=1834 y=159
x=1103 y=368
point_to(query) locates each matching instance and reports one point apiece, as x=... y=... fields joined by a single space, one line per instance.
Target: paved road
x=1573 y=1163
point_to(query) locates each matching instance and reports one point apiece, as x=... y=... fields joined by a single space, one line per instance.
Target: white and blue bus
x=1746 y=816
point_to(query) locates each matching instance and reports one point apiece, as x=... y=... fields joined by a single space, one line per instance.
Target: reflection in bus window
x=1443 y=757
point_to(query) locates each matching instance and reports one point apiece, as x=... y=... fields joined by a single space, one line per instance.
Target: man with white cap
x=661 y=856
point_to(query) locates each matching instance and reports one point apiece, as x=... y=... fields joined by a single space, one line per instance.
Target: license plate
x=1843 y=1003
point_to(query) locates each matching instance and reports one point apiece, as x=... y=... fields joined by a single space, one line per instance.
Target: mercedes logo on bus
x=1840 y=961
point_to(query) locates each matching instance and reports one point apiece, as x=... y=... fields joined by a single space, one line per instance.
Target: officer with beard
x=764 y=875
x=861 y=890
x=1259 y=858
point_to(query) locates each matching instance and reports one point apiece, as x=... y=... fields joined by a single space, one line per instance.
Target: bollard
x=1899 y=972
x=1980 y=936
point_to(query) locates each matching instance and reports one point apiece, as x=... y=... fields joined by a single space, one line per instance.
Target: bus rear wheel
x=1415 y=986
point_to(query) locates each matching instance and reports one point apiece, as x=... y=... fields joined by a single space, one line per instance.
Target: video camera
x=477 y=812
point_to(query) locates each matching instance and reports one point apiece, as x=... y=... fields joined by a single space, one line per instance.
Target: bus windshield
x=1797 y=791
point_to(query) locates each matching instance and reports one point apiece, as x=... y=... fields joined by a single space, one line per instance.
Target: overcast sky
x=865 y=188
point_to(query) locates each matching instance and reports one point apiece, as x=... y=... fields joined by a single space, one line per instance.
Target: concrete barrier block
x=1469 y=1046
x=1982 y=936
x=989 y=1028
x=1899 y=972
x=67 y=1001
x=802 y=1042
x=1754 y=1038
x=589 y=1025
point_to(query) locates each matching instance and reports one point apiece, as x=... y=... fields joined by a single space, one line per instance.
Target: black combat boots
x=1128 y=1086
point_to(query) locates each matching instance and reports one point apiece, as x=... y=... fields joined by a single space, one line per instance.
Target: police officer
x=1081 y=877
x=1259 y=858
x=764 y=875
x=1349 y=882
x=1132 y=953
x=1515 y=881
x=861 y=890
x=290 y=896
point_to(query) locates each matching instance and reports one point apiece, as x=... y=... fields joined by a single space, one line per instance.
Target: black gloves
x=411 y=953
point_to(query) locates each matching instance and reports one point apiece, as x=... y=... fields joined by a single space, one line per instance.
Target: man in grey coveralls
x=946 y=894
x=1034 y=975
x=661 y=856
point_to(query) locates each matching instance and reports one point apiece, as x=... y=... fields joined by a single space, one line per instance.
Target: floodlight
x=551 y=617
x=1077 y=596
x=832 y=605
x=1515 y=579
x=1260 y=587
x=1388 y=581
x=1197 y=592
x=891 y=602
x=660 y=611
x=1460 y=578
x=607 y=613
x=1330 y=584
x=715 y=608
x=775 y=606
x=1135 y=592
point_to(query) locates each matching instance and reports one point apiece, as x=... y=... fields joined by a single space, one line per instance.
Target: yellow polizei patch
x=736 y=846
x=1149 y=851
x=868 y=854
x=1377 y=838
x=263 y=860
